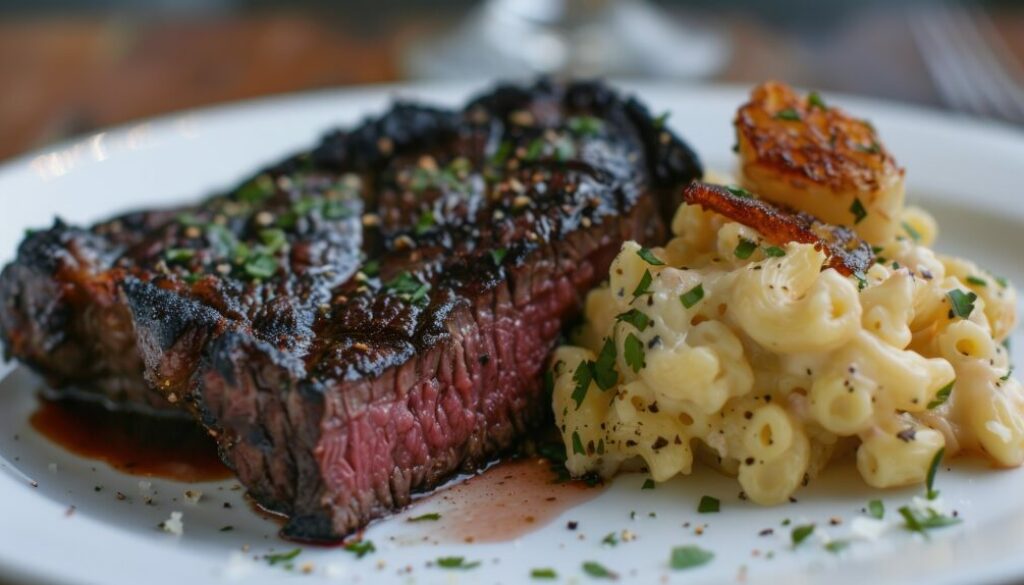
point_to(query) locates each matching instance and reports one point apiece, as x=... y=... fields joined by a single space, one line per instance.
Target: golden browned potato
x=801 y=152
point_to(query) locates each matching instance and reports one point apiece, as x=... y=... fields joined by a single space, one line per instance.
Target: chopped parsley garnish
x=459 y=165
x=835 y=546
x=284 y=557
x=610 y=539
x=688 y=557
x=260 y=266
x=649 y=257
x=942 y=395
x=450 y=177
x=916 y=522
x=425 y=222
x=410 y=288
x=429 y=517
x=498 y=255
x=273 y=240
x=739 y=191
x=876 y=509
x=501 y=154
x=456 y=563
x=636 y=318
x=189 y=220
x=543 y=574
x=633 y=351
x=599 y=571
x=534 y=149
x=577 y=444
x=858 y=211
x=360 y=548
x=648 y=484
x=659 y=122
x=913 y=233
x=227 y=528
x=224 y=241
x=977 y=281
x=564 y=148
x=800 y=533
x=582 y=377
x=933 y=468
x=1006 y=376
x=963 y=303
x=603 y=370
x=774 y=252
x=644 y=285
x=371 y=268
x=873 y=148
x=586 y=125
x=692 y=296
x=745 y=248
x=708 y=505
x=862 y=280
x=789 y=114
x=179 y=254
x=814 y=100
x=1002 y=281
x=335 y=210
x=256 y=190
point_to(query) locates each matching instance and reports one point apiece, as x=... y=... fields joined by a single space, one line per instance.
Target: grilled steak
x=365 y=320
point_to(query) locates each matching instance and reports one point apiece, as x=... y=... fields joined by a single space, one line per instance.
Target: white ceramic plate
x=966 y=172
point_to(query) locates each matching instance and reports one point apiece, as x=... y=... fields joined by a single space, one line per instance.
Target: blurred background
x=70 y=67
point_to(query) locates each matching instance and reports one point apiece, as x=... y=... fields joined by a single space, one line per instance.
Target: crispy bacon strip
x=847 y=253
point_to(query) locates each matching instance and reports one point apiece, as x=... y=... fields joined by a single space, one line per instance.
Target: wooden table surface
x=63 y=77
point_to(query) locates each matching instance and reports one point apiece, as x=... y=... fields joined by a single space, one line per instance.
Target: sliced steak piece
x=398 y=335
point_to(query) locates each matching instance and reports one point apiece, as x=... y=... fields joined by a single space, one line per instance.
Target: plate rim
x=383 y=94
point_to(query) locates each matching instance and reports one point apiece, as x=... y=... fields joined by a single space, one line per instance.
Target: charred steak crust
x=368 y=319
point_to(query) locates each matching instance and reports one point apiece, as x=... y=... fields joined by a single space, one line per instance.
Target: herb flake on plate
x=456 y=563
x=544 y=573
x=598 y=571
x=429 y=517
x=360 y=548
x=274 y=559
x=688 y=557
x=876 y=509
x=800 y=534
x=708 y=505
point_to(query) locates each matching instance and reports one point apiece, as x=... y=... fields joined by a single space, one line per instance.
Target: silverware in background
x=970 y=64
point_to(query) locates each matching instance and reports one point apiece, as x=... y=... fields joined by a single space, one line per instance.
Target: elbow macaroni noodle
x=762 y=365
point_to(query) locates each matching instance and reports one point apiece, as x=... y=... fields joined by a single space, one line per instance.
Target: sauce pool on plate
x=133 y=443
x=503 y=503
